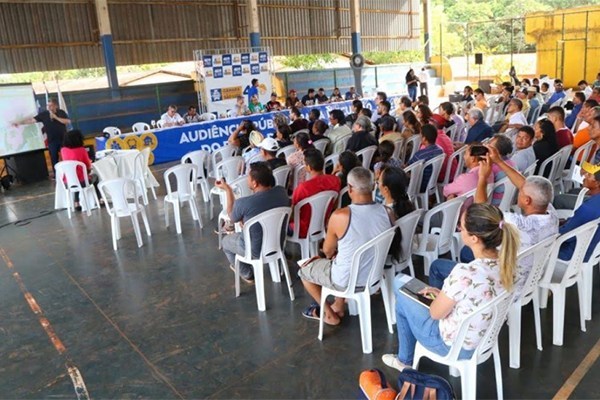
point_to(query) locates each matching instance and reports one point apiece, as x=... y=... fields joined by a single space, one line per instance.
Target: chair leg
x=275 y=274
x=588 y=281
x=304 y=248
x=498 y=370
x=468 y=381
x=386 y=289
x=166 y=208
x=113 y=231
x=146 y=224
x=321 y=314
x=364 y=317
x=352 y=307
x=237 y=277
x=543 y=294
x=118 y=227
x=514 y=335
x=582 y=296
x=177 y=217
x=538 y=324
x=136 y=229
x=558 y=316
x=153 y=192
x=205 y=191
x=83 y=197
x=70 y=204
x=259 y=283
x=195 y=213
x=288 y=277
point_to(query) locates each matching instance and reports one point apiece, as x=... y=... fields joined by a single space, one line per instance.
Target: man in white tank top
x=348 y=229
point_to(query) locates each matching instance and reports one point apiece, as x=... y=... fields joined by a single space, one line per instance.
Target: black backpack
x=414 y=385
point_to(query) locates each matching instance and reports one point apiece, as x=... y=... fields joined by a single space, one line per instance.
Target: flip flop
x=311 y=310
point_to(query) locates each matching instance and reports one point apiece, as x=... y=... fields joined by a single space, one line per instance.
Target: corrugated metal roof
x=64 y=34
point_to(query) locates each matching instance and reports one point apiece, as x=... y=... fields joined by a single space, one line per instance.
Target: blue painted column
x=355 y=26
x=254 y=28
x=108 y=50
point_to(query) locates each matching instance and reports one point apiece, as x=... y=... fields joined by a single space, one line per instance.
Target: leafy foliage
x=308 y=61
x=393 y=57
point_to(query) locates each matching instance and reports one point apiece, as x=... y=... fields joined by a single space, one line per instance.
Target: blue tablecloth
x=170 y=144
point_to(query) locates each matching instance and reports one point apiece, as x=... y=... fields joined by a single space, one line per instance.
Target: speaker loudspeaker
x=478 y=58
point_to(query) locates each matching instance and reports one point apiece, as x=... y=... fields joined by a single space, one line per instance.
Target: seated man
x=524 y=157
x=387 y=131
x=171 y=117
x=361 y=137
x=337 y=132
x=268 y=150
x=468 y=181
x=505 y=148
x=266 y=197
x=348 y=229
x=256 y=107
x=428 y=151
x=317 y=182
x=479 y=130
x=192 y=116
x=515 y=119
x=559 y=94
x=587 y=211
x=240 y=108
x=578 y=100
x=537 y=221
x=564 y=136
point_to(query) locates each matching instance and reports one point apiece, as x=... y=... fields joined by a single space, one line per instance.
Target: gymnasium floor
x=162 y=321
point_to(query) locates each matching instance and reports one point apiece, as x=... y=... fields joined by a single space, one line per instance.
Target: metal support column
x=107 y=43
x=355 y=26
x=427 y=30
x=254 y=25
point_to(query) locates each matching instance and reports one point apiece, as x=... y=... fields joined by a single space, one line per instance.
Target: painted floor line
x=74 y=373
x=582 y=369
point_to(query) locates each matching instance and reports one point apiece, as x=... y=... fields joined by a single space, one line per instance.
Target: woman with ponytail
x=495 y=244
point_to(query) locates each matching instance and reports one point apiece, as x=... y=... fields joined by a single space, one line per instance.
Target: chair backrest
x=200 y=159
x=117 y=191
x=343 y=192
x=416 y=175
x=240 y=187
x=536 y=257
x=450 y=211
x=415 y=140
x=230 y=168
x=554 y=162
x=342 y=142
x=451 y=132
x=286 y=151
x=112 y=131
x=140 y=127
x=378 y=248
x=459 y=155
x=160 y=123
x=319 y=205
x=580 y=197
x=208 y=117
x=139 y=166
x=509 y=193
x=66 y=172
x=271 y=246
x=408 y=226
x=186 y=176
x=321 y=145
x=583 y=235
x=565 y=153
x=495 y=312
x=581 y=154
x=331 y=161
x=222 y=153
x=436 y=167
x=534 y=114
x=529 y=170
x=366 y=155
x=398 y=148
x=298 y=170
x=282 y=175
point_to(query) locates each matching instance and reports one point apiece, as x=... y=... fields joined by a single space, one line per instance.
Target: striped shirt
x=426 y=154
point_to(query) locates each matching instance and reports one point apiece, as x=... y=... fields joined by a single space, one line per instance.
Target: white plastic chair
x=459 y=155
x=434 y=242
x=112 y=131
x=431 y=188
x=398 y=149
x=377 y=248
x=282 y=175
x=240 y=188
x=140 y=127
x=296 y=173
x=318 y=204
x=366 y=155
x=230 y=169
x=221 y=154
x=201 y=159
x=149 y=179
x=208 y=117
x=122 y=205
x=416 y=143
x=588 y=277
x=286 y=151
x=66 y=175
x=343 y=192
x=495 y=311
x=509 y=193
x=560 y=275
x=331 y=161
x=529 y=170
x=408 y=226
x=186 y=176
x=565 y=214
x=160 y=124
x=139 y=176
x=415 y=171
x=537 y=256
x=553 y=162
x=582 y=154
x=565 y=153
x=342 y=142
x=321 y=145
x=271 y=252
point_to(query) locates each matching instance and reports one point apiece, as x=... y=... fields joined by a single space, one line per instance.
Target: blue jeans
x=439 y=270
x=412 y=92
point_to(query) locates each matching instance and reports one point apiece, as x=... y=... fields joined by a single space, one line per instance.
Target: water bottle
x=153 y=123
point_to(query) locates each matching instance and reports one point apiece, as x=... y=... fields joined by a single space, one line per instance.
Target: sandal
x=312 y=312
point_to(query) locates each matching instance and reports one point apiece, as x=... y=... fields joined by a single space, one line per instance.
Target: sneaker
x=391 y=360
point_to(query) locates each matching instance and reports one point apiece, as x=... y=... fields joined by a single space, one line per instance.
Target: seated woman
x=318 y=130
x=346 y=163
x=392 y=184
x=545 y=145
x=241 y=136
x=73 y=150
x=385 y=159
x=283 y=132
x=468 y=287
x=301 y=142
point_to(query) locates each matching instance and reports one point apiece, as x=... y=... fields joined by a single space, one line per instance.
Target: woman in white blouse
x=468 y=287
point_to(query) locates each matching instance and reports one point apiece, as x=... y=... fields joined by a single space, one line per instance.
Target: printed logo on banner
x=237 y=70
x=227 y=59
x=227 y=71
x=209 y=73
x=218 y=72
x=245 y=58
x=246 y=69
x=207 y=61
x=236 y=58
x=255 y=69
x=264 y=68
x=254 y=58
x=215 y=94
x=216 y=60
x=262 y=57
x=231 y=92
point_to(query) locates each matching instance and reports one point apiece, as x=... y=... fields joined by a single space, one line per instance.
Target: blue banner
x=170 y=144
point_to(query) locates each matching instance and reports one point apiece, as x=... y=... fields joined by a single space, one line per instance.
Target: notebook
x=412 y=287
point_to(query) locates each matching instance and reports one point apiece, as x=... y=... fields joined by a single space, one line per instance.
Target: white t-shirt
x=423 y=76
x=174 y=120
x=470 y=286
x=517 y=118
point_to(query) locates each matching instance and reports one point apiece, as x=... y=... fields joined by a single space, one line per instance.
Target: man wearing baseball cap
x=268 y=149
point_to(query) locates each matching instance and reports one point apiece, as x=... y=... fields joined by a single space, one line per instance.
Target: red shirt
x=446 y=145
x=564 y=137
x=77 y=154
x=317 y=184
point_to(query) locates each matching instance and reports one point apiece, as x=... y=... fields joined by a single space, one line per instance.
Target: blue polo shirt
x=252 y=90
x=478 y=132
x=588 y=211
x=426 y=154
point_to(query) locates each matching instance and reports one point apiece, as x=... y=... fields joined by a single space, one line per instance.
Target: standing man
x=55 y=123
x=252 y=90
x=423 y=78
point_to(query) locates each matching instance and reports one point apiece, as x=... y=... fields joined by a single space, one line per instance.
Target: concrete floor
x=162 y=321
